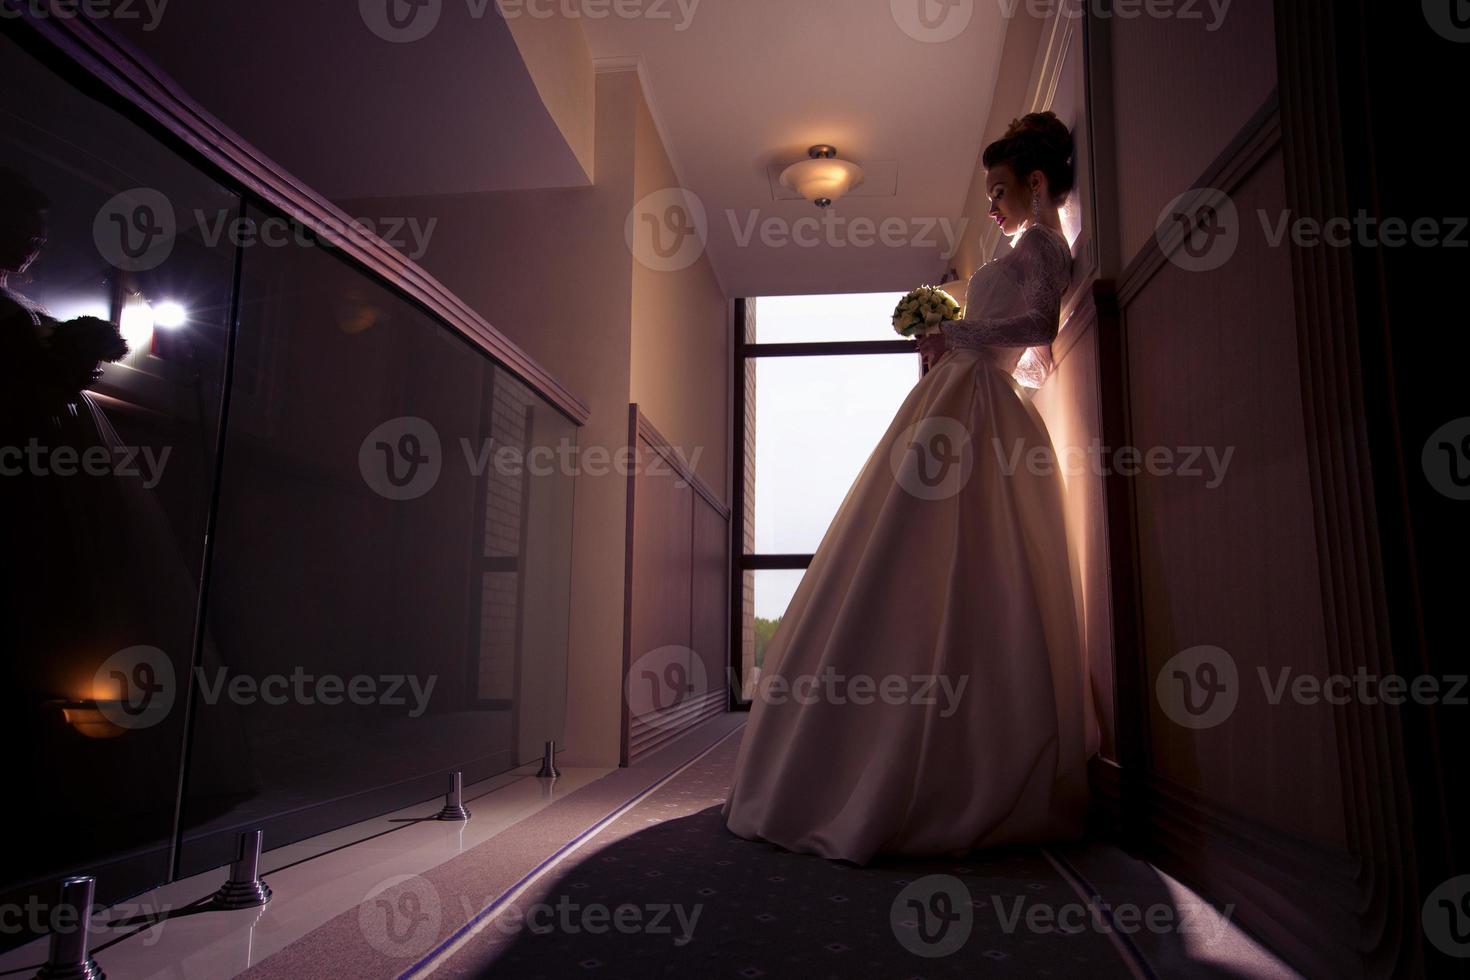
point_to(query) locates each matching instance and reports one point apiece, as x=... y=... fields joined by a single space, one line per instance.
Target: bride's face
x=1010 y=199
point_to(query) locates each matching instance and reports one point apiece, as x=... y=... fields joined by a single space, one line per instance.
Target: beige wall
x=556 y=56
x=681 y=338
x=552 y=271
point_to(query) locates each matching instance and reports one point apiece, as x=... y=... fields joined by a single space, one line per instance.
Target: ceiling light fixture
x=823 y=178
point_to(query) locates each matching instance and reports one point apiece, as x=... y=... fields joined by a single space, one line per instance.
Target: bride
x=925 y=692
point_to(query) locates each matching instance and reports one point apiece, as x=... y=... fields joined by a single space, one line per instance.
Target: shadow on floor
x=685 y=897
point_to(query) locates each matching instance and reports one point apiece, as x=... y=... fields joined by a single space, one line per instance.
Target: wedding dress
x=925 y=691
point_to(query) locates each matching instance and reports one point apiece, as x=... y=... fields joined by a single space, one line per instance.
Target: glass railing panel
x=105 y=482
x=387 y=592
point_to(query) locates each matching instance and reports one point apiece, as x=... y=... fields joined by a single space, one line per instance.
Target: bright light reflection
x=170 y=315
x=136 y=324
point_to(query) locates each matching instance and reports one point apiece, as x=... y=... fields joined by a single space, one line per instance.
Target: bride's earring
x=1036 y=206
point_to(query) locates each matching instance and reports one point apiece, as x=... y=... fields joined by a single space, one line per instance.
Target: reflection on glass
x=107 y=458
x=384 y=597
x=390 y=570
x=817 y=420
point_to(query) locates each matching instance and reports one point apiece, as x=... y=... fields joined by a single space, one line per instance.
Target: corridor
x=632 y=874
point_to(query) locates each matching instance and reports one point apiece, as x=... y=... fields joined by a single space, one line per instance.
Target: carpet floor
x=654 y=885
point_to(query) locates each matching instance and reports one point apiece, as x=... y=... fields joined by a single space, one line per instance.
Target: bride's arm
x=1043 y=270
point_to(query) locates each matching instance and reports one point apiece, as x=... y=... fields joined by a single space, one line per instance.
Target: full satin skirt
x=925 y=691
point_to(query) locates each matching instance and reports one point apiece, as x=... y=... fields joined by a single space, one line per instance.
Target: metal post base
x=454 y=800
x=242 y=895
x=70 y=958
x=548 y=763
x=245 y=889
x=80 y=971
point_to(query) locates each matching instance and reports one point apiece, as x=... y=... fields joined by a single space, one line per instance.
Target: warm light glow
x=90 y=722
x=170 y=315
x=822 y=178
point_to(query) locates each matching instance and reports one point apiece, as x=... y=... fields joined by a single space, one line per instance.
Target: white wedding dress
x=944 y=575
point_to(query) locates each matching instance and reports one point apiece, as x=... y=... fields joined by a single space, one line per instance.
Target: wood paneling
x=677 y=598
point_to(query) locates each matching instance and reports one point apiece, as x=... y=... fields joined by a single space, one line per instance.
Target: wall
x=556 y=56
x=681 y=337
x=552 y=270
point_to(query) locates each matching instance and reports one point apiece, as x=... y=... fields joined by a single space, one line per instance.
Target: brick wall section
x=503 y=517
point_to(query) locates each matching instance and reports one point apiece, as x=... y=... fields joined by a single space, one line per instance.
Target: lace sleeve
x=1042 y=265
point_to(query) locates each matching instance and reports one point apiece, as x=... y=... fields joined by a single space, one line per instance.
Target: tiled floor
x=313 y=881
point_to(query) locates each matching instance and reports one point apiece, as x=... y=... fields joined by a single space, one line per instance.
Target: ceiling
x=746 y=84
x=737 y=88
x=355 y=116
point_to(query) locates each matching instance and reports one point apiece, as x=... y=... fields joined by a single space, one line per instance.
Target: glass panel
x=817 y=421
x=805 y=319
x=768 y=592
x=389 y=585
x=107 y=481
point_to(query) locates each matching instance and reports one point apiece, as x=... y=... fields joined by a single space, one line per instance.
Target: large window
x=821 y=378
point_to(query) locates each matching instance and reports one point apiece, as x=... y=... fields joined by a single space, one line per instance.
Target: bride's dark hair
x=1036 y=141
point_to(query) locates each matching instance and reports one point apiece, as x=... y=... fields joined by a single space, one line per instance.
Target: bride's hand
x=931 y=347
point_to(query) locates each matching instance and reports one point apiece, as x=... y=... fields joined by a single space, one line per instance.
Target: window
x=820 y=378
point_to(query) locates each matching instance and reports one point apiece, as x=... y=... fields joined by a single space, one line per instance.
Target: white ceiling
x=750 y=83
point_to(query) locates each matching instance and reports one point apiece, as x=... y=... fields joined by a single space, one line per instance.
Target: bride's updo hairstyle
x=1036 y=141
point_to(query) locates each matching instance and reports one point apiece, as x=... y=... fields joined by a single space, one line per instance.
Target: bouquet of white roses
x=922 y=310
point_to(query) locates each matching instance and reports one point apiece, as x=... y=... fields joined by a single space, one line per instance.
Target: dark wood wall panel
x=710 y=596
x=1212 y=362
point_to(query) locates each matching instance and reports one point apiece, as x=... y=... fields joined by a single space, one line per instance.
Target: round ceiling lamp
x=823 y=178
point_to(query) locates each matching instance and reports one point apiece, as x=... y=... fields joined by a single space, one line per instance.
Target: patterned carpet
x=666 y=890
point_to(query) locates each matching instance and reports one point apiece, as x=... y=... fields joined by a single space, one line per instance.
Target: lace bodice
x=1013 y=304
